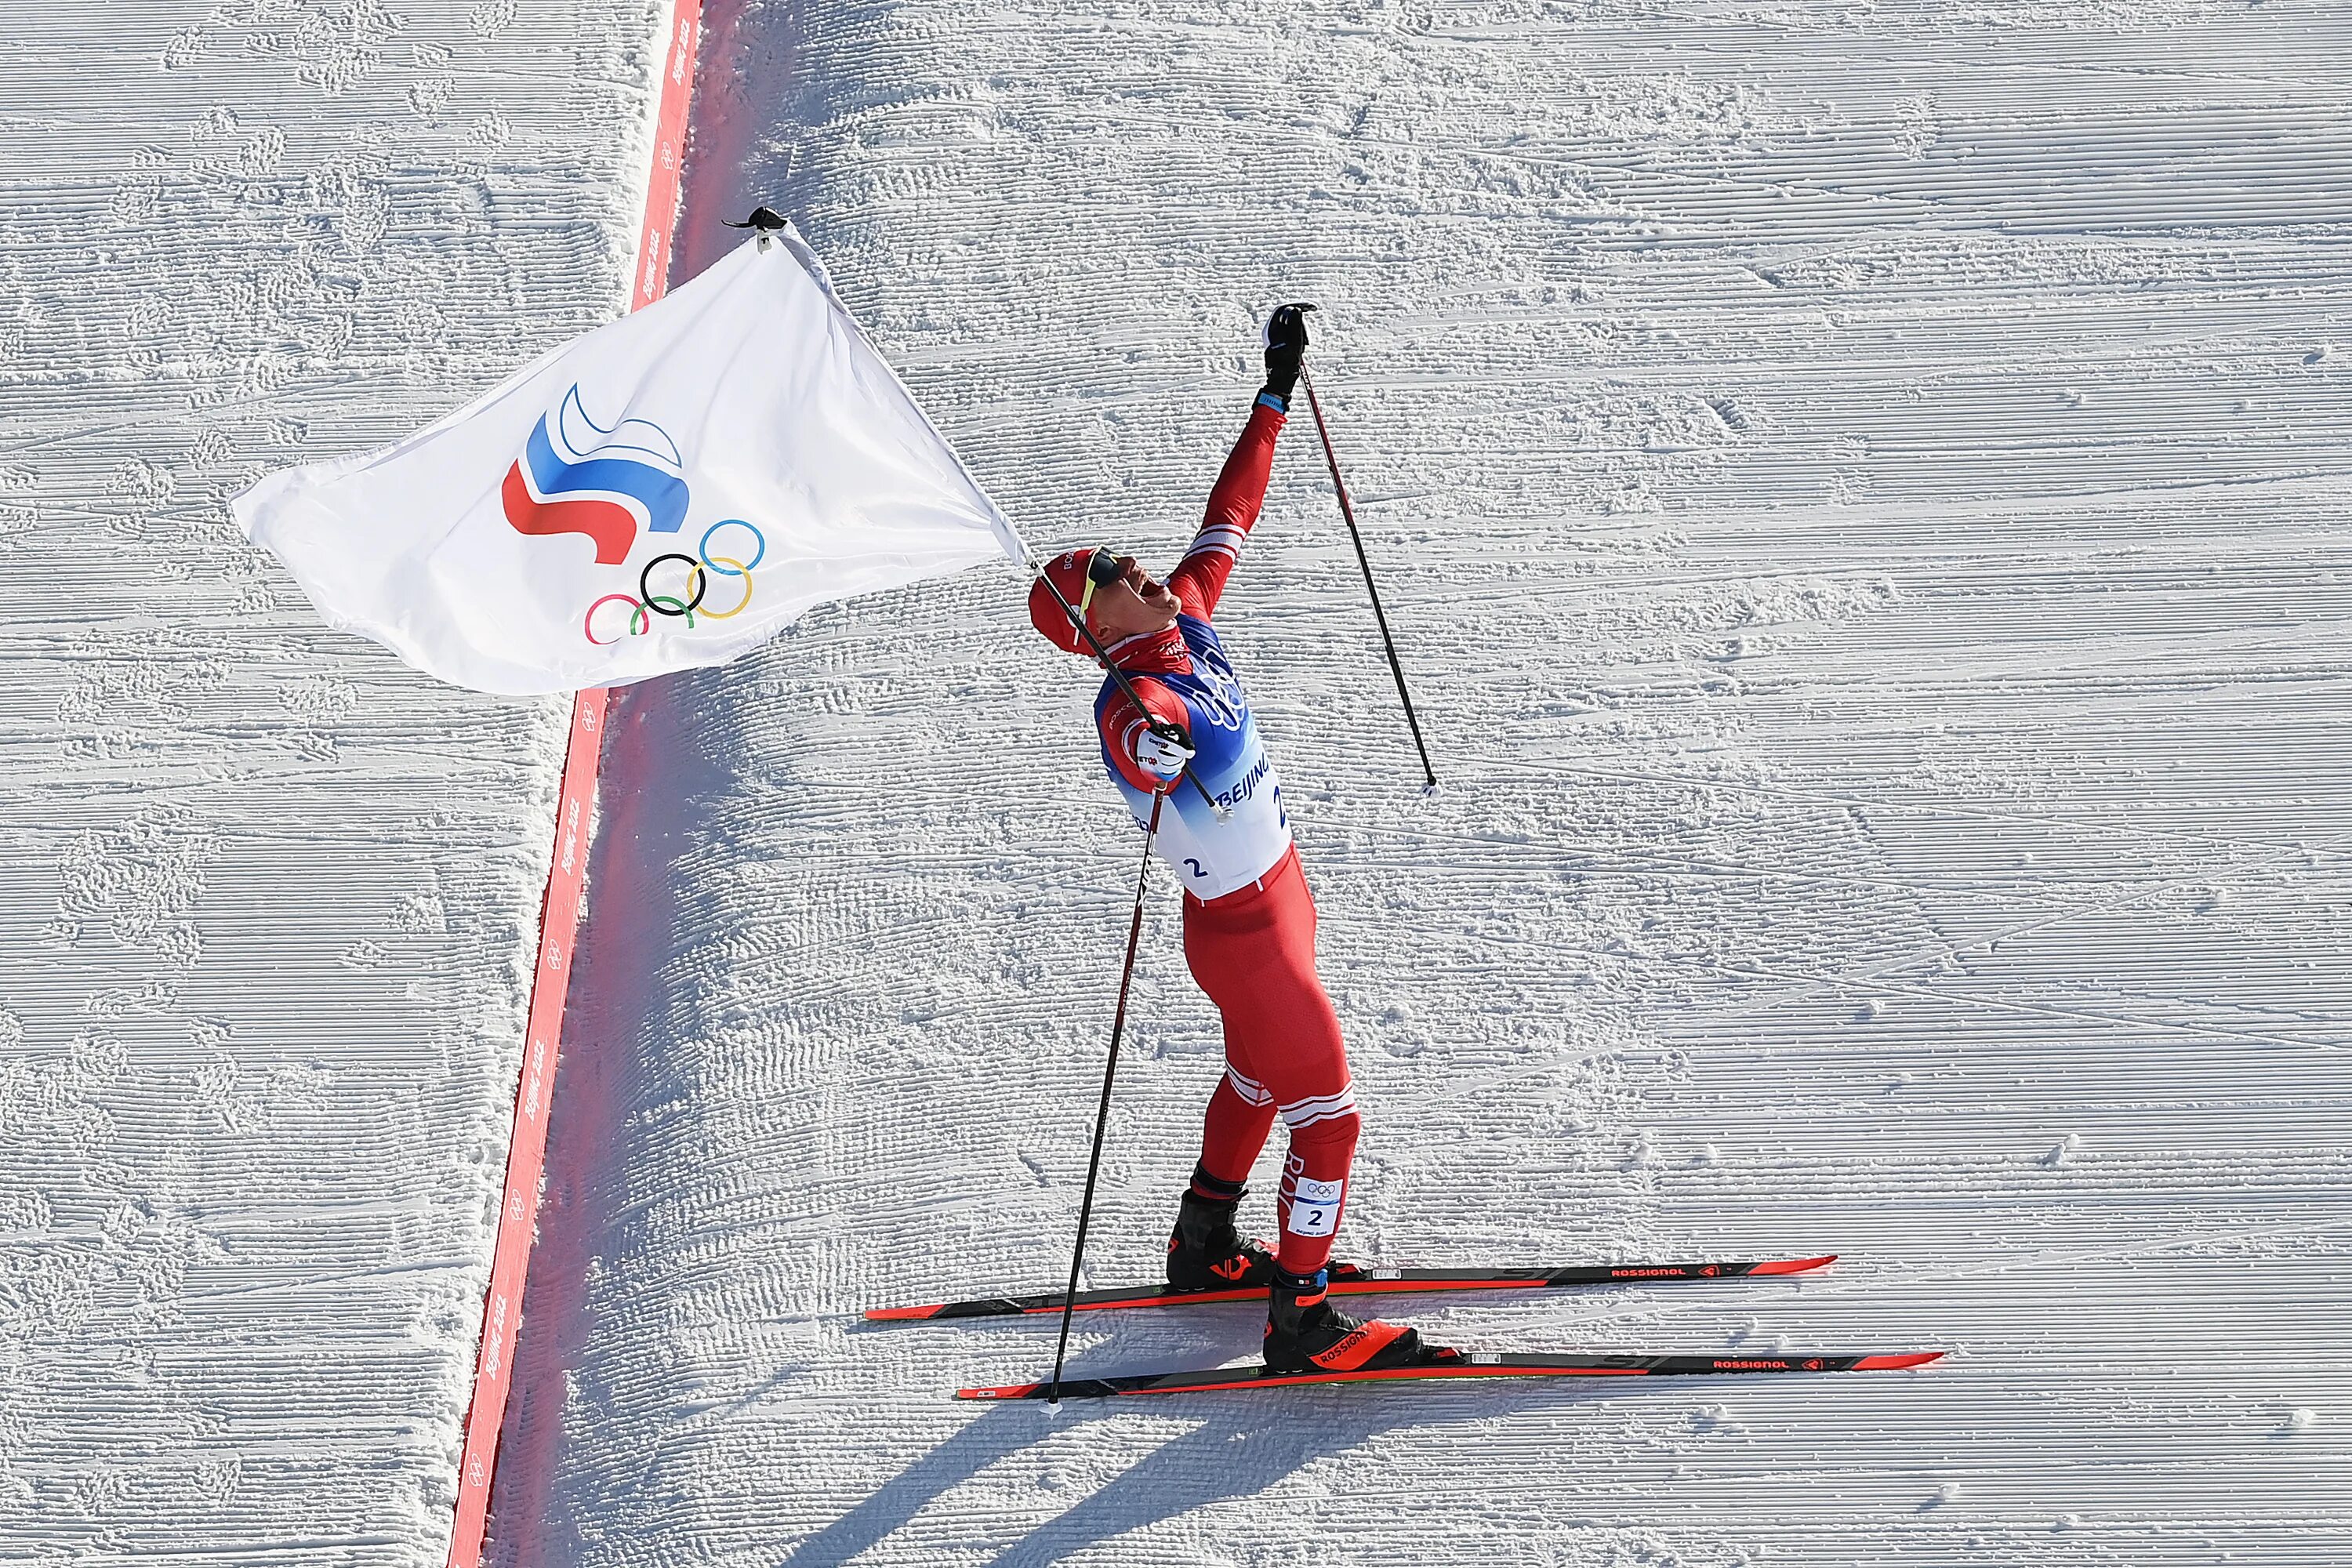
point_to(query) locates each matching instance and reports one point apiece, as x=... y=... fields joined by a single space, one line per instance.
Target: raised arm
x=1199 y=580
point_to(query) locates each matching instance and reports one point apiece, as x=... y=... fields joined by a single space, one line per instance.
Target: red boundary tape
x=567 y=875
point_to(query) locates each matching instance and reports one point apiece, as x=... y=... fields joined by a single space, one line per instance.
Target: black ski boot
x=1205 y=1251
x=1304 y=1332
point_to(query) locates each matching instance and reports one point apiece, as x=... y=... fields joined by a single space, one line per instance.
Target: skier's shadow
x=1237 y=1450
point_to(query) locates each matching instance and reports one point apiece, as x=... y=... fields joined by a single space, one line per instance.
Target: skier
x=1249 y=921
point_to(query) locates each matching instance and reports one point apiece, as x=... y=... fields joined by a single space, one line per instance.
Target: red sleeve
x=1199 y=580
x=1121 y=724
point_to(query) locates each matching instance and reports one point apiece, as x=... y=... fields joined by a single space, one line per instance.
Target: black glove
x=1286 y=348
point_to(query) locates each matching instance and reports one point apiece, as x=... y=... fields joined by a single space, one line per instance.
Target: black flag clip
x=767 y=221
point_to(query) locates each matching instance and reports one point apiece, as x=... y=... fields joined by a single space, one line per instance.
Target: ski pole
x=1347 y=511
x=1160 y=727
x=1102 y=1111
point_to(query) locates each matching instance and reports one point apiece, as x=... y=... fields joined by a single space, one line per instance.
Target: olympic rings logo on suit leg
x=646 y=603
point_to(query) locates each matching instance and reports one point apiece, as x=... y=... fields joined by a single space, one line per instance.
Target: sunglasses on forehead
x=1102 y=570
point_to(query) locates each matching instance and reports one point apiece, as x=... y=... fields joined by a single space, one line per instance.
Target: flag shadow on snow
x=1236 y=1449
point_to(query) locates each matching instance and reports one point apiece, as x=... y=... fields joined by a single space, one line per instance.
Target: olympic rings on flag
x=743 y=568
x=646 y=603
x=588 y=621
x=733 y=568
x=655 y=602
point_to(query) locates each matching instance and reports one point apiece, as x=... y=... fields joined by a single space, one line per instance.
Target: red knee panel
x=1314 y=1190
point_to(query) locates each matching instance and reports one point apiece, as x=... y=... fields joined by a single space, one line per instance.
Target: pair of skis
x=1345 y=1281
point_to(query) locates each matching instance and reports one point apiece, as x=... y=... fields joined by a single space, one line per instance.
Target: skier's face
x=1122 y=602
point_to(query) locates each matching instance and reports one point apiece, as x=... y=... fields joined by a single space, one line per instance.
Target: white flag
x=668 y=491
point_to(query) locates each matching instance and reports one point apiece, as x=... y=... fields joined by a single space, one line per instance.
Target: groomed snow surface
x=1861 y=492
x=267 y=899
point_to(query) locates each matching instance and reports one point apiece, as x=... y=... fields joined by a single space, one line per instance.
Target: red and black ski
x=1223 y=1378
x=1348 y=1281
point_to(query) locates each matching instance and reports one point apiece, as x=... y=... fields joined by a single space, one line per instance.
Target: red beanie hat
x=1067 y=572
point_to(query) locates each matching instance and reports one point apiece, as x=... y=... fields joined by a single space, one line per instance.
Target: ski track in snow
x=267 y=900
x=1861 y=489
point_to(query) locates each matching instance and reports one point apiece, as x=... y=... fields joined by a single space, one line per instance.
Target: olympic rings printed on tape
x=646 y=603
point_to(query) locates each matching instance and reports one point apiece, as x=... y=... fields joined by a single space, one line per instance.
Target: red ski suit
x=1251 y=949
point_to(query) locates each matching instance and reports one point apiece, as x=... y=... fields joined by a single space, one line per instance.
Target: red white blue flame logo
x=606 y=482
x=576 y=476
